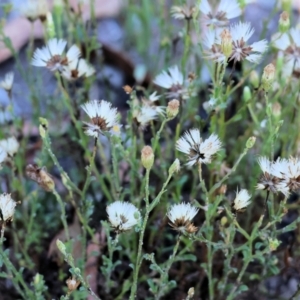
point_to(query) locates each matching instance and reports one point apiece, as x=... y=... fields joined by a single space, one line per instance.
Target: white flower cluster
x=236 y=41
x=68 y=64
x=283 y=175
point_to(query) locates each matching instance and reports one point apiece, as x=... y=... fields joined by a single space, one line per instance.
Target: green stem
x=166 y=270
x=157 y=136
x=63 y=214
x=63 y=174
x=141 y=239
x=218 y=184
x=2 y=234
x=115 y=178
x=238 y=281
x=89 y=170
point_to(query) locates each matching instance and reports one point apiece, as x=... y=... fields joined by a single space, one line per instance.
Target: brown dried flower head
x=40 y=176
x=72 y=284
x=127 y=89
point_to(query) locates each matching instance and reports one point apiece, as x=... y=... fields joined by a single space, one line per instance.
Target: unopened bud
x=222 y=190
x=268 y=77
x=284 y=22
x=147 y=157
x=72 y=284
x=127 y=89
x=61 y=247
x=247 y=94
x=50 y=27
x=175 y=167
x=273 y=244
x=224 y=221
x=226 y=42
x=191 y=77
x=172 y=109
x=250 y=142
x=254 y=79
x=276 y=109
x=191 y=292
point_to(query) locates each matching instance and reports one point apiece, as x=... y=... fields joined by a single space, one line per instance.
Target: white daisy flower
x=151 y=103
x=269 y=181
x=173 y=81
x=76 y=69
x=144 y=115
x=33 y=9
x=10 y=146
x=181 y=215
x=241 y=32
x=241 y=201
x=7 y=207
x=227 y=9
x=52 y=55
x=212 y=46
x=3 y=156
x=183 y=12
x=103 y=117
x=7 y=82
x=197 y=150
x=169 y=79
x=290 y=172
x=122 y=215
x=289 y=43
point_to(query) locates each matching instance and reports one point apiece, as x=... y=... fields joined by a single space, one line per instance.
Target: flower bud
x=224 y=221
x=247 y=94
x=61 y=247
x=276 y=109
x=268 y=77
x=254 y=79
x=172 y=109
x=226 y=42
x=250 y=142
x=72 y=284
x=284 y=22
x=50 y=27
x=127 y=89
x=147 y=157
x=273 y=244
x=191 y=292
x=175 y=167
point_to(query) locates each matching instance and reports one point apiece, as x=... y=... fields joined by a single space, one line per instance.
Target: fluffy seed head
x=122 y=215
x=7 y=207
x=103 y=117
x=241 y=201
x=197 y=150
x=181 y=215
